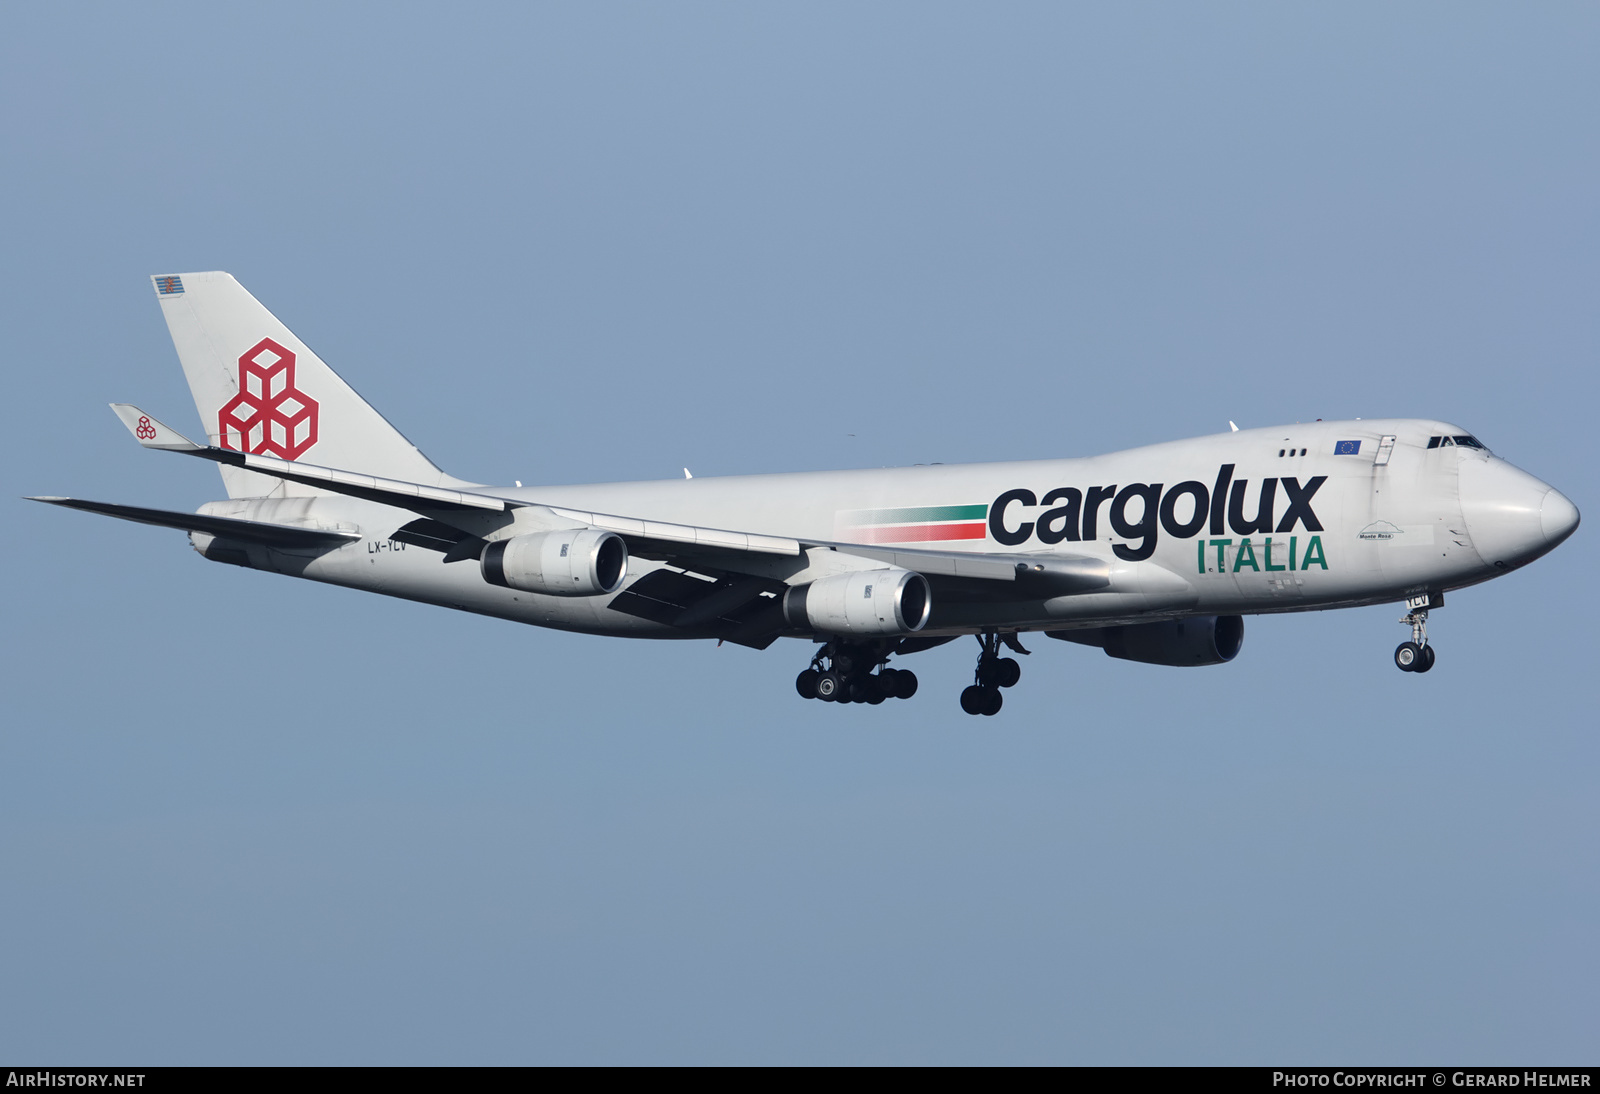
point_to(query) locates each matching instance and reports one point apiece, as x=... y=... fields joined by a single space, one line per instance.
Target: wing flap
x=737 y=608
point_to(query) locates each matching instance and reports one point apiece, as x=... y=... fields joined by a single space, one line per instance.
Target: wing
x=251 y=531
x=717 y=581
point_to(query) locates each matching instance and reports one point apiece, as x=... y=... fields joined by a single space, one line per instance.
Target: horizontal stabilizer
x=251 y=531
x=151 y=433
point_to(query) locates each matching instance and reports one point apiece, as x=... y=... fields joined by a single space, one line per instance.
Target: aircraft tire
x=830 y=688
x=1427 y=660
x=1007 y=672
x=974 y=699
x=905 y=684
x=1407 y=656
x=806 y=683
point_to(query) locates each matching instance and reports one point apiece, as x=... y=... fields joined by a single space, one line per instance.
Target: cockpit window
x=1461 y=440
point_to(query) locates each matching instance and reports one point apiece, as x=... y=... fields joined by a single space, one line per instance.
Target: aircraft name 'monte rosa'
x=1158 y=565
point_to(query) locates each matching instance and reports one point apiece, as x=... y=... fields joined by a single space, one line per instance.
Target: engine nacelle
x=570 y=562
x=890 y=601
x=1201 y=640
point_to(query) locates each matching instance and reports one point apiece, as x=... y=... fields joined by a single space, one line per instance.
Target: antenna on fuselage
x=1233 y=427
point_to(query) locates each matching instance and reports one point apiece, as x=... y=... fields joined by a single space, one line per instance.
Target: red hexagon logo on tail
x=269 y=415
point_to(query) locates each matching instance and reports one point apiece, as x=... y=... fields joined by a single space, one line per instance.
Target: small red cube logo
x=270 y=415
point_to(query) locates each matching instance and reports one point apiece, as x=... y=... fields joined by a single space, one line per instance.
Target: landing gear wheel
x=1007 y=672
x=855 y=672
x=872 y=690
x=905 y=683
x=975 y=699
x=993 y=701
x=1408 y=656
x=1417 y=655
x=806 y=683
x=995 y=672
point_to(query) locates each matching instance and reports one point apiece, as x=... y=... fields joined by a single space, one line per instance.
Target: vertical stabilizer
x=260 y=389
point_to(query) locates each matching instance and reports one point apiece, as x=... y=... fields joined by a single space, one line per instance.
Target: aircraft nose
x=1558 y=517
x=1513 y=517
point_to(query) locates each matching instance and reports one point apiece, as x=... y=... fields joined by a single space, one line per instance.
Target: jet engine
x=570 y=562
x=1201 y=640
x=890 y=601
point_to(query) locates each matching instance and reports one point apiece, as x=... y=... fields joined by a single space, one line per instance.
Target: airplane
x=1153 y=554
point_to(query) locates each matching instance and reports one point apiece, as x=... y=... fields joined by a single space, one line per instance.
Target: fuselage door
x=1385 y=448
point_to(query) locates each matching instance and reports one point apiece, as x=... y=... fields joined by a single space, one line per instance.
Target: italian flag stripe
x=922 y=514
x=921 y=533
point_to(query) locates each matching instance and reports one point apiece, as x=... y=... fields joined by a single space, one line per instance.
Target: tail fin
x=260 y=389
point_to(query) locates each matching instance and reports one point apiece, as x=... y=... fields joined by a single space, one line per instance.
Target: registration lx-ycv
x=1153 y=554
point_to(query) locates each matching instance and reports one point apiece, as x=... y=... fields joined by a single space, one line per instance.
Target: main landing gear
x=841 y=673
x=993 y=673
x=1415 y=655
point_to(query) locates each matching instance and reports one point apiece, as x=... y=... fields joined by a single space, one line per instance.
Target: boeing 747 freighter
x=1154 y=554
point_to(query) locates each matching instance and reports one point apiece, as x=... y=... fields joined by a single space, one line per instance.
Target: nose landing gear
x=993 y=673
x=1416 y=655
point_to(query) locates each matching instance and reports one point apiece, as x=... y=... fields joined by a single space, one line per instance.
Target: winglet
x=151 y=433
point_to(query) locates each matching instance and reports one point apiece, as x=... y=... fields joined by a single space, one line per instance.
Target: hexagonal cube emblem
x=269 y=415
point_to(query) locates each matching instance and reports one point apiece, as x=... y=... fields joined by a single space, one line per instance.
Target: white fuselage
x=1377 y=523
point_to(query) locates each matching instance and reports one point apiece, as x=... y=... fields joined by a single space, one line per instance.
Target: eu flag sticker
x=1347 y=448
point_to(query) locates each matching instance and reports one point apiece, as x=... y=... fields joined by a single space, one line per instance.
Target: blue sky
x=253 y=820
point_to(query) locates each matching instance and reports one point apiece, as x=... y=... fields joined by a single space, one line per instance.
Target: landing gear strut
x=993 y=673
x=1415 y=655
x=842 y=673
